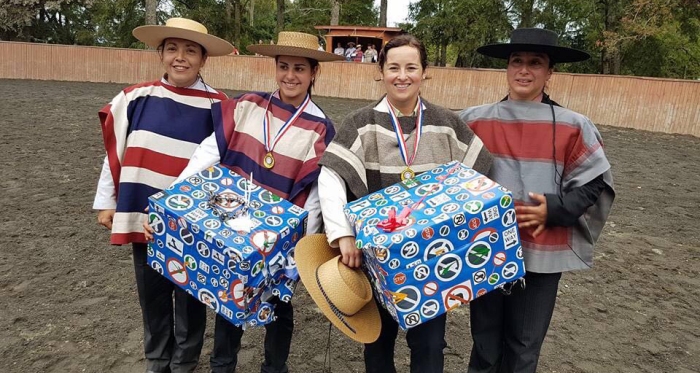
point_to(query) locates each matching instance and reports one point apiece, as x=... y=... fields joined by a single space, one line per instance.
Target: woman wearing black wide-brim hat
x=553 y=161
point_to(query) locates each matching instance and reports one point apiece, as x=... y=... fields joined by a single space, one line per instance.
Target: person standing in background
x=349 y=51
x=370 y=54
x=339 y=50
x=357 y=56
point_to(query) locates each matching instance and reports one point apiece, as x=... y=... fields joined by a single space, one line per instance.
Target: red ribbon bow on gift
x=393 y=222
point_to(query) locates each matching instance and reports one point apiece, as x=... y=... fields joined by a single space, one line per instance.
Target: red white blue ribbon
x=270 y=144
x=399 y=132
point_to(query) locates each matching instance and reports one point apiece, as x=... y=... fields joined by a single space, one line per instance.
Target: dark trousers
x=173 y=331
x=508 y=330
x=426 y=342
x=278 y=339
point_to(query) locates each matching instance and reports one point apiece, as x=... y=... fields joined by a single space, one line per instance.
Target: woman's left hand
x=535 y=216
x=147 y=230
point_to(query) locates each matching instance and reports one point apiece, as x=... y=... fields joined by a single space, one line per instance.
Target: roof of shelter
x=359 y=28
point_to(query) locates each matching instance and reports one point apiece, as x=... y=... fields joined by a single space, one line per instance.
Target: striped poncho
x=150 y=131
x=520 y=136
x=239 y=135
x=365 y=153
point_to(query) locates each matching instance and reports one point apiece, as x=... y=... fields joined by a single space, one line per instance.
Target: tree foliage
x=634 y=37
x=658 y=38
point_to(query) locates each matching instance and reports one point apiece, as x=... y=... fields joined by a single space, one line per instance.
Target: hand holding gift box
x=227 y=242
x=437 y=241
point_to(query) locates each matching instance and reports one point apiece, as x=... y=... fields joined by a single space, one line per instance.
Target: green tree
x=228 y=19
x=57 y=21
x=115 y=19
x=457 y=28
x=305 y=14
x=359 y=12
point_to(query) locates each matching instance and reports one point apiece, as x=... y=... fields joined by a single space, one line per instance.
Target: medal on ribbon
x=407 y=173
x=269 y=160
x=268 y=140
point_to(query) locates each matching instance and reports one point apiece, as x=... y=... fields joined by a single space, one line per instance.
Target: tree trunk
x=610 y=54
x=443 y=55
x=526 y=13
x=335 y=12
x=251 y=11
x=151 y=8
x=228 y=12
x=437 y=55
x=461 y=60
x=382 y=13
x=280 y=16
x=237 y=22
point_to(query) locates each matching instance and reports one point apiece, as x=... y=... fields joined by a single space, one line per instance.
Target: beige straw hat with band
x=183 y=28
x=343 y=294
x=297 y=44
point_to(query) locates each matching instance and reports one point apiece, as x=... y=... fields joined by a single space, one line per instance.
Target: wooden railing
x=662 y=105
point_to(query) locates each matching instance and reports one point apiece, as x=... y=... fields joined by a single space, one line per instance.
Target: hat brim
x=274 y=50
x=312 y=251
x=153 y=36
x=555 y=53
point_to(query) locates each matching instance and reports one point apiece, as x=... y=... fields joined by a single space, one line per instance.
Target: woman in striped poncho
x=553 y=161
x=379 y=145
x=279 y=138
x=150 y=131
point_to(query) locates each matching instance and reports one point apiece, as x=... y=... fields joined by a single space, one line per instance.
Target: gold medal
x=268 y=140
x=408 y=159
x=407 y=174
x=269 y=160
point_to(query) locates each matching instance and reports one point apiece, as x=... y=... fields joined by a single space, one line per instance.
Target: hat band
x=338 y=313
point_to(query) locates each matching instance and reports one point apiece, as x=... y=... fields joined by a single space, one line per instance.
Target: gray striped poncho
x=365 y=151
x=520 y=136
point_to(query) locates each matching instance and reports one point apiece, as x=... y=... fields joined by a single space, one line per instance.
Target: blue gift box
x=233 y=272
x=459 y=242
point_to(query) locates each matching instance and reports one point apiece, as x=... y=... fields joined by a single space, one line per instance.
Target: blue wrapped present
x=197 y=247
x=437 y=241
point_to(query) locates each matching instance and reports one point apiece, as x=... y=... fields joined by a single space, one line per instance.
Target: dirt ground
x=68 y=300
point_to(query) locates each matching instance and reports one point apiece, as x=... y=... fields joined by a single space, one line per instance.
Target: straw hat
x=183 y=28
x=534 y=40
x=296 y=44
x=343 y=294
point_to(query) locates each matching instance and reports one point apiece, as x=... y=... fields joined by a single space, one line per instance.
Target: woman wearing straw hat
x=382 y=144
x=148 y=143
x=278 y=138
x=552 y=159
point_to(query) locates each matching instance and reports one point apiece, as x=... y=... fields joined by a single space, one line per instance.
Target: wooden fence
x=662 y=105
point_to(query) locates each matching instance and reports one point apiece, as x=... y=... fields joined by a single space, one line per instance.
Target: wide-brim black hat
x=534 y=40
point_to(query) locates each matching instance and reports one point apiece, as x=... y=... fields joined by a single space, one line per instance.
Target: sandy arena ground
x=68 y=300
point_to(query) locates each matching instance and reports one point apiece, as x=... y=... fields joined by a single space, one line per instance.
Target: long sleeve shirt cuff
x=206 y=155
x=333 y=197
x=106 y=195
x=564 y=211
x=314 y=223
